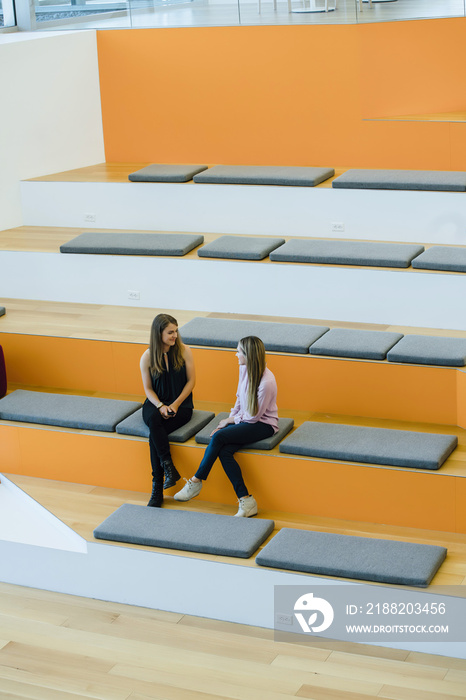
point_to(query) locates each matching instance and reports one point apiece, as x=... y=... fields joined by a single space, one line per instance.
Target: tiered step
x=124 y=572
x=104 y=192
x=326 y=390
x=84 y=507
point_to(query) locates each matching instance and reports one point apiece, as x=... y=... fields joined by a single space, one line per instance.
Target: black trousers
x=159 y=430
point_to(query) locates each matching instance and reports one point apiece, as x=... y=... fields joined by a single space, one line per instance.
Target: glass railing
x=113 y=14
x=7 y=14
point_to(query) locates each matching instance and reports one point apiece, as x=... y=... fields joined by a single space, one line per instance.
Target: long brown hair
x=254 y=352
x=156 y=363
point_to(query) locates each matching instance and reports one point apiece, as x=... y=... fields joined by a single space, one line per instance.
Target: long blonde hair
x=156 y=362
x=254 y=351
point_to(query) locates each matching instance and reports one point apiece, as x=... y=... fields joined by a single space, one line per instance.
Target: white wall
x=383 y=215
x=405 y=297
x=50 y=115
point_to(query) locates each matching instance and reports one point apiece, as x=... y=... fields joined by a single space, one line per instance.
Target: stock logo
x=313 y=606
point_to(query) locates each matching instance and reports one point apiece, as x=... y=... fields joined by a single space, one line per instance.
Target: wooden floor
x=62 y=647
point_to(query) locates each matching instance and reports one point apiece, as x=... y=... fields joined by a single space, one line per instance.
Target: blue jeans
x=224 y=443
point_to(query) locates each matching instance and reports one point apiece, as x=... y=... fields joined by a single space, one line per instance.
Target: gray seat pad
x=346 y=556
x=429 y=350
x=265 y=175
x=164 y=172
x=402 y=180
x=117 y=243
x=345 y=342
x=284 y=427
x=225 y=333
x=439 y=257
x=354 y=443
x=134 y=425
x=86 y=412
x=2 y=310
x=240 y=247
x=347 y=253
x=190 y=531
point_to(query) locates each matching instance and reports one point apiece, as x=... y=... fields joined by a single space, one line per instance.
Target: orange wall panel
x=352 y=492
x=461 y=398
x=384 y=390
x=10 y=453
x=81 y=458
x=327 y=489
x=413 y=67
x=305 y=383
x=233 y=94
x=74 y=364
x=286 y=95
x=460 y=505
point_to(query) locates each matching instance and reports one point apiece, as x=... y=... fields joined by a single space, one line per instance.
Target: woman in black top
x=168 y=376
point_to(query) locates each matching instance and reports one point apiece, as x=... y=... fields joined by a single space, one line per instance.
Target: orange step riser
x=326 y=489
x=335 y=386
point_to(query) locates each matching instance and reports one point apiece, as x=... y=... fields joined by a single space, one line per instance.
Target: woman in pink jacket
x=253 y=417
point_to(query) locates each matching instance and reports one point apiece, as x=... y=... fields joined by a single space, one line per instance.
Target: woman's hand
x=164 y=411
x=168 y=411
x=223 y=424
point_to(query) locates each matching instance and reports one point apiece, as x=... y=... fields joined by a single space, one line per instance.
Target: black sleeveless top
x=169 y=385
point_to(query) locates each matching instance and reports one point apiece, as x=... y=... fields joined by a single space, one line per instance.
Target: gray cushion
x=162 y=172
x=284 y=427
x=353 y=443
x=240 y=247
x=134 y=425
x=346 y=556
x=225 y=333
x=347 y=253
x=345 y=342
x=429 y=350
x=402 y=180
x=2 y=310
x=441 y=257
x=86 y=412
x=117 y=243
x=265 y=175
x=187 y=530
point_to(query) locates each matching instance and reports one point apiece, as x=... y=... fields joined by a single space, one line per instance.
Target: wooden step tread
x=455 y=465
x=83 y=507
x=132 y=323
x=118 y=172
x=46 y=239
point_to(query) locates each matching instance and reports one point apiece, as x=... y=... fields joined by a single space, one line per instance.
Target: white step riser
x=240 y=594
x=423 y=217
x=406 y=298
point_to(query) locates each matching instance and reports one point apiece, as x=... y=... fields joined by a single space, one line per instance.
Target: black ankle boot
x=156 y=496
x=171 y=474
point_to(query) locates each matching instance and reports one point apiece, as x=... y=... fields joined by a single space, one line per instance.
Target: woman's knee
x=217 y=441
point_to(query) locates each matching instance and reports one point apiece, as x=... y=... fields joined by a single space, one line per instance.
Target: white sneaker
x=247 y=507
x=189 y=490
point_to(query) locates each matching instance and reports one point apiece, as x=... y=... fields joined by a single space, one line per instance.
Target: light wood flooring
x=62 y=647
